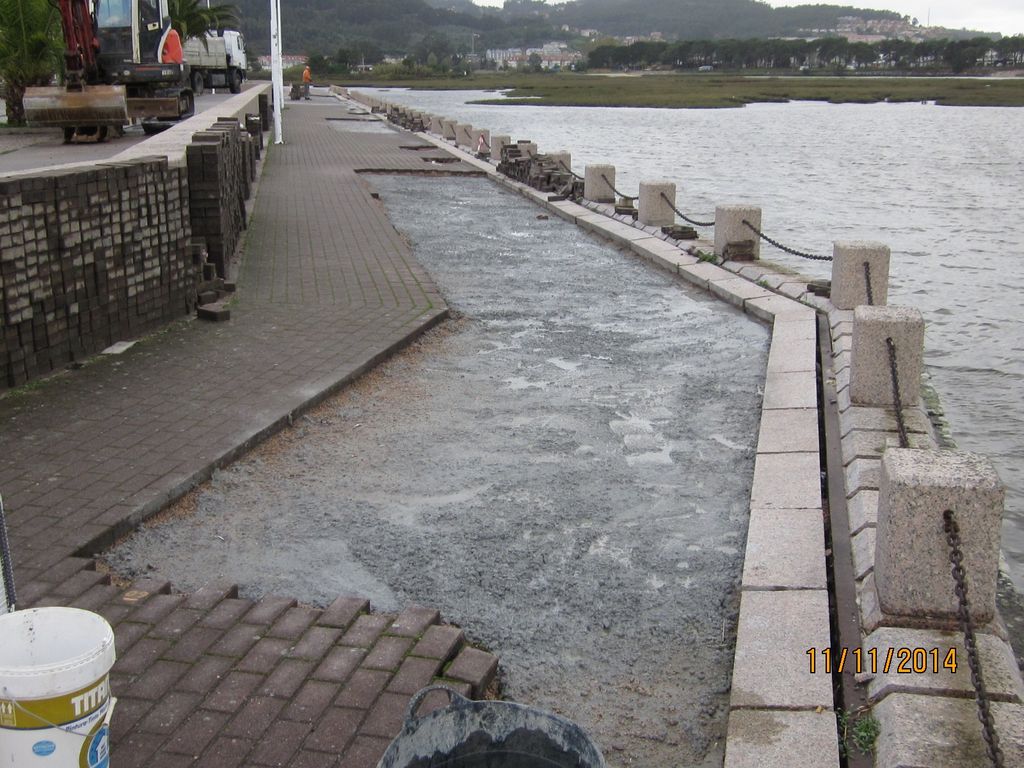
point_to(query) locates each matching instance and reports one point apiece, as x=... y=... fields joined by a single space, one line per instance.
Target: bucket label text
x=91 y=699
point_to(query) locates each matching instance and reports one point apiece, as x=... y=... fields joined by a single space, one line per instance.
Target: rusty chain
x=867 y=284
x=570 y=170
x=613 y=189
x=896 y=399
x=956 y=558
x=7 y=566
x=782 y=247
x=683 y=216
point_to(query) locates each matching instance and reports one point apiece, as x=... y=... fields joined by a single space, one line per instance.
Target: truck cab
x=234 y=46
x=217 y=60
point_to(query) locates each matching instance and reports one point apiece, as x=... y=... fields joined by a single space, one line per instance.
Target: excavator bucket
x=94 y=105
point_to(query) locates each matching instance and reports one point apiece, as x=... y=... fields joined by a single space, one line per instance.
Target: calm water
x=941 y=186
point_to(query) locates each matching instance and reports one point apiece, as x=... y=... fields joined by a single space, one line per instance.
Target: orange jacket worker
x=307 y=78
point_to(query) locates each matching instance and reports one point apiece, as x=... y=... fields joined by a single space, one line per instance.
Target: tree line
x=829 y=52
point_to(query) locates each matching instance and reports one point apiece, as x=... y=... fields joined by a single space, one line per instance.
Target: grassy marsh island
x=676 y=91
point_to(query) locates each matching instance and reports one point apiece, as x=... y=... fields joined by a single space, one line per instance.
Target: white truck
x=220 y=63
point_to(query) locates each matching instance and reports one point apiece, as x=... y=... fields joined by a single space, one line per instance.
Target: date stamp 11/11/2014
x=902 y=661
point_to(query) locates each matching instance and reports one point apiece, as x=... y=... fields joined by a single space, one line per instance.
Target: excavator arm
x=81 y=44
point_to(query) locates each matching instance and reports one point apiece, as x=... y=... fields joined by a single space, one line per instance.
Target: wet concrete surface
x=563 y=469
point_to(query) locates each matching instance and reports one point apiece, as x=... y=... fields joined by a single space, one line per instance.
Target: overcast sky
x=1006 y=16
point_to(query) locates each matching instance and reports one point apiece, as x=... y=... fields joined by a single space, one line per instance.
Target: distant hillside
x=704 y=19
x=465 y=6
x=399 y=26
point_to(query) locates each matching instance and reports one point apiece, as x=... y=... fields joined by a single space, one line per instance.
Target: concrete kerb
x=172 y=142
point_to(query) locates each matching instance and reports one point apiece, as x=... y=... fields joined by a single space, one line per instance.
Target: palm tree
x=190 y=19
x=30 y=50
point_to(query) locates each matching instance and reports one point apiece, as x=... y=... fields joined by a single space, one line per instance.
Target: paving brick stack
x=219 y=182
x=214 y=679
x=89 y=257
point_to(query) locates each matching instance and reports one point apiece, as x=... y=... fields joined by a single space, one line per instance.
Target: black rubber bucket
x=488 y=734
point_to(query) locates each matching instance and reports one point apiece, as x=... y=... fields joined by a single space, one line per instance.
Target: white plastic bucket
x=55 y=702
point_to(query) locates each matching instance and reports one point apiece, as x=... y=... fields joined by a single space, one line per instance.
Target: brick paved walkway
x=327 y=288
x=210 y=679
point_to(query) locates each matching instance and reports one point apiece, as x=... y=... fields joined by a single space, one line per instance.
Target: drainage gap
x=849 y=696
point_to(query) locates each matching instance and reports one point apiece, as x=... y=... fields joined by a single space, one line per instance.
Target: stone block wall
x=88 y=256
x=98 y=253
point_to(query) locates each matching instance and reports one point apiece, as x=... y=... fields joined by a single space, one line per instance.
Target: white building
x=552 y=55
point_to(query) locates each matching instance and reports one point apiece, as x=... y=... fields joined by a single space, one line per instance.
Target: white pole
x=280 y=49
x=276 y=75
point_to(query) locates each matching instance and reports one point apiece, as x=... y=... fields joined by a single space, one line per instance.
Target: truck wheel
x=197 y=83
x=235 y=81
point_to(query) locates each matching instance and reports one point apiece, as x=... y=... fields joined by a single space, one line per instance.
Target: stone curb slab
x=759 y=738
x=788 y=430
x=789 y=623
x=785 y=550
x=786 y=481
x=737 y=291
x=787 y=390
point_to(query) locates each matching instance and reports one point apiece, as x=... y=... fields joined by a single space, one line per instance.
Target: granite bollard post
x=912 y=566
x=527 y=147
x=435 y=125
x=870 y=370
x=462 y=137
x=448 y=129
x=849 y=281
x=599 y=183
x=497 y=142
x=653 y=209
x=562 y=160
x=730 y=229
